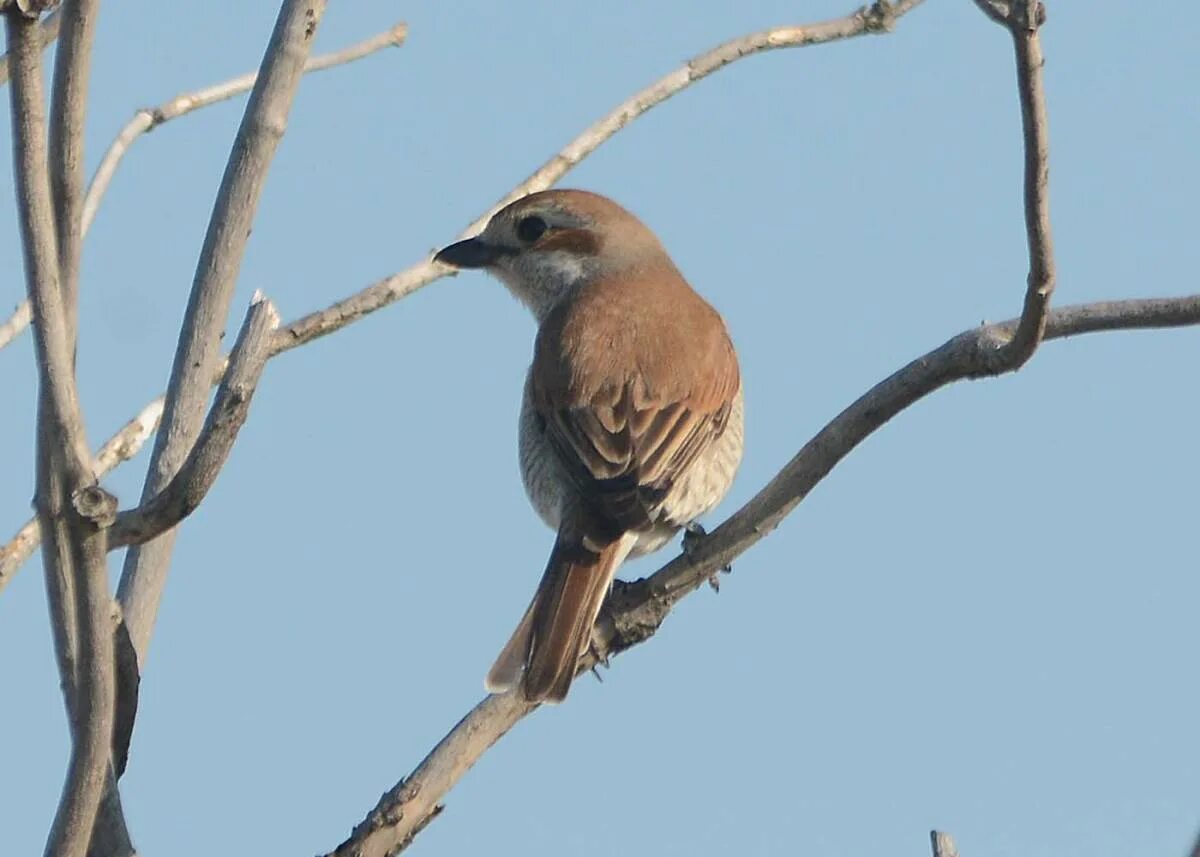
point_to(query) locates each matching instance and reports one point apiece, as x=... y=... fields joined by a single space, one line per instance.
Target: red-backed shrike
x=631 y=424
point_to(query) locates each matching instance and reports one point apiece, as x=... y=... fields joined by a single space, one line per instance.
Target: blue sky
x=982 y=621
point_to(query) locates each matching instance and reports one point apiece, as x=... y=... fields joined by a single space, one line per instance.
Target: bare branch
x=942 y=844
x=1023 y=20
x=15 y=323
x=69 y=503
x=635 y=611
x=997 y=10
x=68 y=108
x=47 y=32
x=147 y=119
x=198 y=355
x=198 y=473
x=406 y=808
x=877 y=18
x=122 y=446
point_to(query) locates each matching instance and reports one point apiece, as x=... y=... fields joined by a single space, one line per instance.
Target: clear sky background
x=984 y=620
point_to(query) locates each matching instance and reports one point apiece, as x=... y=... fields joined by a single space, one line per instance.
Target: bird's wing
x=629 y=417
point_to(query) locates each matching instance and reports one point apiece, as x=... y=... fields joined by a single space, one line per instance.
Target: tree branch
x=942 y=844
x=69 y=503
x=880 y=17
x=147 y=119
x=636 y=610
x=47 y=32
x=72 y=64
x=198 y=355
x=407 y=807
x=1023 y=19
x=229 y=410
x=122 y=446
x=15 y=323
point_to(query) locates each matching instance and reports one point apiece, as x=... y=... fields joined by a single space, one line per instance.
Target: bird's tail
x=557 y=626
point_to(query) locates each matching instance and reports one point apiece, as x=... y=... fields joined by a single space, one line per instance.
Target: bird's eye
x=530 y=229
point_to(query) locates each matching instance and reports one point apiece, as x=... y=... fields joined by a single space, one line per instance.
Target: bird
x=631 y=420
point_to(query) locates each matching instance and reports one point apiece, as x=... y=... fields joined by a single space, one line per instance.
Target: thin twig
x=636 y=610
x=149 y=118
x=122 y=446
x=47 y=32
x=942 y=844
x=225 y=418
x=877 y=18
x=15 y=323
x=1023 y=21
x=199 y=353
x=68 y=501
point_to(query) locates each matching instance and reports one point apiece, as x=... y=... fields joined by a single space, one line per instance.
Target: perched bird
x=631 y=422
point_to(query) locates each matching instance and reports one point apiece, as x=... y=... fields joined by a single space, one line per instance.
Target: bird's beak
x=472 y=253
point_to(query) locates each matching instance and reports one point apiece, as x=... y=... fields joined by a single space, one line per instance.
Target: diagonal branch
x=199 y=354
x=879 y=17
x=225 y=418
x=15 y=323
x=635 y=611
x=147 y=119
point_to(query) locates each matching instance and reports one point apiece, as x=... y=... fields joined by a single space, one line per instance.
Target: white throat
x=542 y=280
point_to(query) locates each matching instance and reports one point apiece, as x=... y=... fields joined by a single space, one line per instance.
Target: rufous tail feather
x=557 y=626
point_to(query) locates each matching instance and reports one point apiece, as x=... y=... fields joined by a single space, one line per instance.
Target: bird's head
x=547 y=245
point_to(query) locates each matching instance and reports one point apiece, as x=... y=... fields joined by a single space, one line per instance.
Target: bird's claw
x=693 y=534
x=601 y=659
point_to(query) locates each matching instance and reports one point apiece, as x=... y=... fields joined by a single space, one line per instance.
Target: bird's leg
x=693 y=534
x=596 y=650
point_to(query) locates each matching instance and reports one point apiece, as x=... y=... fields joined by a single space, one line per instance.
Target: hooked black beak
x=472 y=253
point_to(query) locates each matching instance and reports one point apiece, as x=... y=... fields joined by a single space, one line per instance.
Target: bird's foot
x=600 y=656
x=693 y=534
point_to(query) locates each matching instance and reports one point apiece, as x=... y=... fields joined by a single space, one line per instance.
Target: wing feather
x=628 y=413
